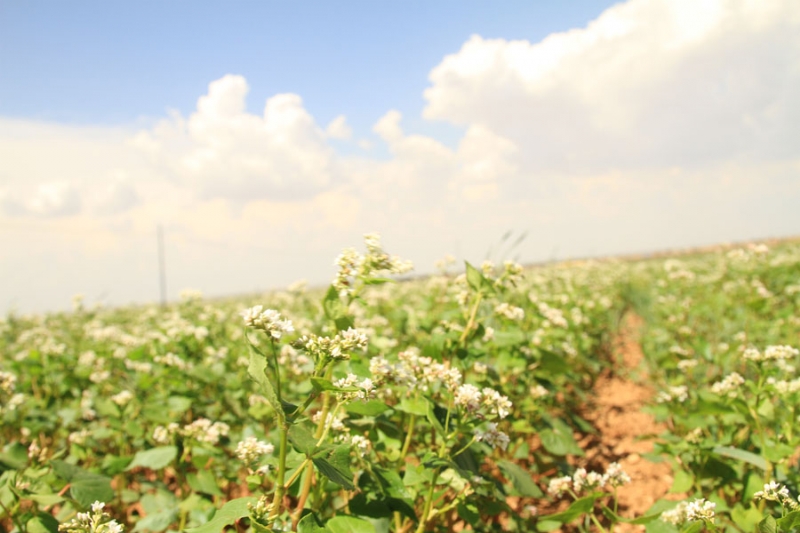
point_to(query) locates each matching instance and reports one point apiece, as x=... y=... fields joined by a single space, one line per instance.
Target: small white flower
x=728 y=386
x=493 y=437
x=559 y=485
x=251 y=449
x=615 y=476
x=701 y=509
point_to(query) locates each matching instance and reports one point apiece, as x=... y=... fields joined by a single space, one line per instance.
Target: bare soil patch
x=625 y=433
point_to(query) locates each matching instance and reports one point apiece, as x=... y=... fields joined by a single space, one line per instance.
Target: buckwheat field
x=657 y=394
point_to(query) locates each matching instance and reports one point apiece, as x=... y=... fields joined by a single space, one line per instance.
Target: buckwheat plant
x=95 y=522
x=586 y=488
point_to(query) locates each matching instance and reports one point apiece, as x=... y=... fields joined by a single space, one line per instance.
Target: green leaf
x=746 y=519
x=230 y=512
x=469 y=511
x=414 y=406
x=768 y=525
x=15 y=456
x=520 y=479
x=157 y=521
x=377 y=281
x=554 y=364
x=309 y=524
x=741 y=455
x=45 y=500
x=615 y=518
x=694 y=527
x=349 y=524
x=204 y=482
x=436 y=416
x=257 y=369
x=302 y=439
x=113 y=465
x=335 y=310
x=475 y=278
x=369 y=408
x=155 y=458
x=334 y=463
x=90 y=488
x=85 y=487
x=559 y=442
x=682 y=482
x=322 y=384
x=578 y=508
x=791 y=520
x=42 y=523
x=777 y=452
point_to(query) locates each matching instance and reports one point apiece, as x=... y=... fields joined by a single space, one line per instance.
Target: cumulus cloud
x=339 y=129
x=648 y=83
x=49 y=200
x=226 y=152
x=114 y=196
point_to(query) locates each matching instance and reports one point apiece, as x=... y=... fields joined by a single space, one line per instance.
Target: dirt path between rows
x=625 y=433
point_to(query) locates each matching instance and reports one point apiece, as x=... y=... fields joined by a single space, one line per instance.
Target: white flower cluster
x=512 y=272
x=251 y=449
x=493 y=436
x=338 y=347
x=679 y=394
x=783 y=387
x=775 y=492
x=771 y=353
x=553 y=316
x=122 y=398
x=201 y=430
x=366 y=388
x=582 y=480
x=352 y=265
x=95 y=522
x=8 y=384
x=413 y=372
x=472 y=399
x=684 y=512
x=728 y=386
x=509 y=311
x=700 y=509
x=267 y=320
x=170 y=359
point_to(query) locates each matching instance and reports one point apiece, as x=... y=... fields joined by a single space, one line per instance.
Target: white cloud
x=225 y=152
x=649 y=83
x=339 y=129
x=657 y=125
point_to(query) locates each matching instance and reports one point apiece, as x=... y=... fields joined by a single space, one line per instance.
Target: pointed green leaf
x=578 y=508
x=334 y=463
x=349 y=524
x=791 y=520
x=768 y=525
x=309 y=524
x=257 y=369
x=227 y=515
x=155 y=458
x=520 y=479
x=741 y=455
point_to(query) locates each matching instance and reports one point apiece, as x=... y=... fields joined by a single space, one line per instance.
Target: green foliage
x=152 y=409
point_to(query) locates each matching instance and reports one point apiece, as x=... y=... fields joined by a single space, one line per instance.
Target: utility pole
x=162 y=271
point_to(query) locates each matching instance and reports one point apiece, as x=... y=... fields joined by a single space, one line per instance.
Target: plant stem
x=277 y=500
x=428 y=503
x=409 y=435
x=471 y=322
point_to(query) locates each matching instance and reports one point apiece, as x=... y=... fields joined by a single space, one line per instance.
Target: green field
x=454 y=402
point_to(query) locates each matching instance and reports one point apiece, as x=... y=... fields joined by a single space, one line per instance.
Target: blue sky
x=98 y=62
x=264 y=137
